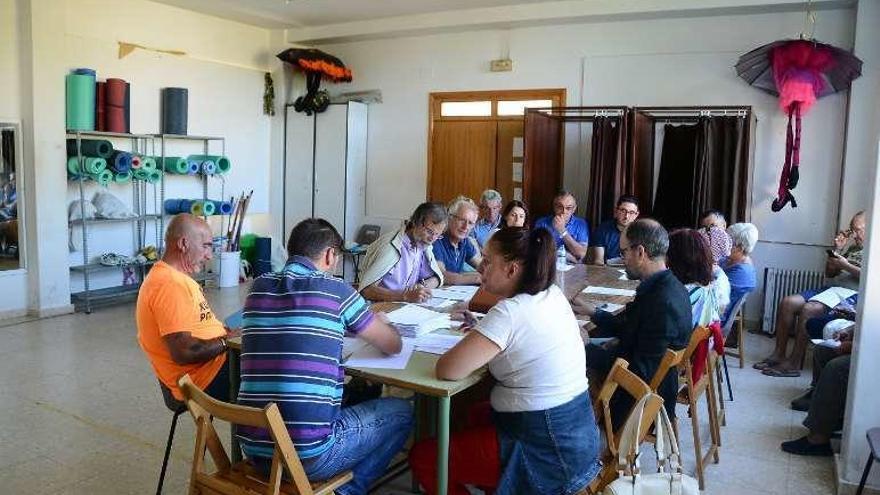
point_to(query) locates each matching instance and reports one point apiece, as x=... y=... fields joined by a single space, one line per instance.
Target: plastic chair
x=242 y=477
x=874 y=444
x=177 y=408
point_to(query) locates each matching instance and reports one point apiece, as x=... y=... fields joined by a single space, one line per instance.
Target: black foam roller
x=91 y=147
x=174 y=110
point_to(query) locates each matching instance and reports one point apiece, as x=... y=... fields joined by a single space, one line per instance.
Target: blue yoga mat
x=120 y=161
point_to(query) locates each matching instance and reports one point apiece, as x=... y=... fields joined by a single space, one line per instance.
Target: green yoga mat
x=122 y=178
x=223 y=163
x=208 y=207
x=93 y=165
x=148 y=163
x=154 y=176
x=104 y=177
x=141 y=174
x=80 y=102
x=175 y=165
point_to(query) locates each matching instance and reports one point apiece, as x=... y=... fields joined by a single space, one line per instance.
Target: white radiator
x=779 y=283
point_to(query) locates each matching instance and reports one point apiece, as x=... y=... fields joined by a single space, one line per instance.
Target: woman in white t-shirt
x=543 y=436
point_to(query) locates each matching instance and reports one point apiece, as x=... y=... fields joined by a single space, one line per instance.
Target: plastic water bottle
x=560 y=265
x=560 y=256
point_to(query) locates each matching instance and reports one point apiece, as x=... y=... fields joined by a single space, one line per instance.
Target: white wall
x=684 y=61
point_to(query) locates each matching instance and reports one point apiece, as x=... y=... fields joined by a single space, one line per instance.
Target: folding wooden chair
x=690 y=395
x=241 y=478
x=669 y=364
x=619 y=376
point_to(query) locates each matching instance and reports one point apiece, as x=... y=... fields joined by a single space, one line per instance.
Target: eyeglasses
x=431 y=232
x=465 y=220
x=629 y=213
x=565 y=207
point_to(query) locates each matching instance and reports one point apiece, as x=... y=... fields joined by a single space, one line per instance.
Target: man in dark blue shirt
x=568 y=230
x=456 y=248
x=605 y=241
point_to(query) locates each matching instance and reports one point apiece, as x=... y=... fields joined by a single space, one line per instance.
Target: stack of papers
x=455 y=292
x=826 y=342
x=609 y=291
x=414 y=321
x=357 y=353
x=437 y=343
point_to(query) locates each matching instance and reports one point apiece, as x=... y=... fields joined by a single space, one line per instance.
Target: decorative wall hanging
x=316 y=65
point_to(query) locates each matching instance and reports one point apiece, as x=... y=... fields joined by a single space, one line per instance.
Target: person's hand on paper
x=468 y=320
x=582 y=307
x=842 y=336
x=417 y=294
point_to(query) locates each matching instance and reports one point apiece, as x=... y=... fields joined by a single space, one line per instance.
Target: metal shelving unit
x=206 y=148
x=143 y=144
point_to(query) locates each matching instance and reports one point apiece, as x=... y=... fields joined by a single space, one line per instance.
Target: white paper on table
x=455 y=292
x=413 y=314
x=438 y=303
x=826 y=342
x=368 y=356
x=833 y=296
x=609 y=291
x=609 y=307
x=517 y=172
x=622 y=275
x=437 y=341
x=560 y=267
x=582 y=322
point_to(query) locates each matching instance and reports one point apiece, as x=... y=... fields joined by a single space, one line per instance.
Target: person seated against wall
x=739 y=268
x=660 y=317
x=842 y=269
x=713 y=218
x=568 y=230
x=400 y=265
x=293 y=324
x=719 y=245
x=542 y=437
x=490 y=216
x=515 y=214
x=456 y=248
x=605 y=240
x=177 y=330
x=825 y=401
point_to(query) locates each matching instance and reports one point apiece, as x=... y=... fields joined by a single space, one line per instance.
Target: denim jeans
x=366 y=437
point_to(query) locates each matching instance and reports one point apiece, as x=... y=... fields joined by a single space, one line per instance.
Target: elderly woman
x=738 y=266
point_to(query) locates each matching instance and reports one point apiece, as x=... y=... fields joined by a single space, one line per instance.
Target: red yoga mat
x=100 y=103
x=115 y=105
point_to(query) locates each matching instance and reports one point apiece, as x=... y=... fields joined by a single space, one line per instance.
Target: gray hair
x=650 y=235
x=428 y=211
x=744 y=236
x=460 y=201
x=490 y=195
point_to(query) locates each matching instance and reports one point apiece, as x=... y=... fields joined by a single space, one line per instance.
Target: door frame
x=556 y=95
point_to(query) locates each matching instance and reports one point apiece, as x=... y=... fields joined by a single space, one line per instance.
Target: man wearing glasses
x=605 y=241
x=400 y=266
x=568 y=230
x=456 y=249
x=490 y=216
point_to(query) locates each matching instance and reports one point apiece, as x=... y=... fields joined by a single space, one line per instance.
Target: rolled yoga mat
x=148 y=163
x=85 y=71
x=104 y=177
x=115 y=105
x=175 y=165
x=192 y=166
x=120 y=161
x=222 y=207
x=209 y=167
x=90 y=147
x=174 y=110
x=92 y=165
x=208 y=207
x=154 y=176
x=122 y=178
x=100 y=106
x=136 y=162
x=127 y=107
x=223 y=164
x=140 y=174
x=80 y=102
x=172 y=206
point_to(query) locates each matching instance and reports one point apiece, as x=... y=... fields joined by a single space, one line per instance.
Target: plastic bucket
x=230 y=265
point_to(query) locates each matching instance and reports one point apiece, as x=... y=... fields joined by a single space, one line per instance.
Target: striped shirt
x=293 y=324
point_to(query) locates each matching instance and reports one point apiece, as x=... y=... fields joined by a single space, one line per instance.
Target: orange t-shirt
x=170 y=301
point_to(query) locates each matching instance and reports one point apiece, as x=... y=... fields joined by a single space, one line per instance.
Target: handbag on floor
x=668 y=480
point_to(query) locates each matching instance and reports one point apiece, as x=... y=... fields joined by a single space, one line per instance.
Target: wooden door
x=509 y=160
x=462 y=159
x=542 y=174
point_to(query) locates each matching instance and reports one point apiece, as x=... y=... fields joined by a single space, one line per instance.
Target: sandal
x=779 y=373
x=765 y=363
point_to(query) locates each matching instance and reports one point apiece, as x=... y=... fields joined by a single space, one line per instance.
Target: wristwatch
x=223 y=344
x=563 y=234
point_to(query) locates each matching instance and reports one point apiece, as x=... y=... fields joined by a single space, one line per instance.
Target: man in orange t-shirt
x=176 y=328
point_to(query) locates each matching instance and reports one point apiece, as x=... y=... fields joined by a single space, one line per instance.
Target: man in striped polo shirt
x=294 y=322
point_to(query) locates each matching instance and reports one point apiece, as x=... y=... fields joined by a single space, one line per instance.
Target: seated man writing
x=400 y=266
x=567 y=229
x=176 y=328
x=456 y=248
x=842 y=270
x=291 y=354
x=605 y=241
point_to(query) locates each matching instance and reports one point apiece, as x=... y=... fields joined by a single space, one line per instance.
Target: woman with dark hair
x=542 y=437
x=515 y=214
x=690 y=260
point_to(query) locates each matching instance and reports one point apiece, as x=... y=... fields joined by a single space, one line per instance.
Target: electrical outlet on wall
x=501 y=65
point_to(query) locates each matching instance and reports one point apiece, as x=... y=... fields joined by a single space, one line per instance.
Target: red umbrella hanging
x=316 y=65
x=799 y=72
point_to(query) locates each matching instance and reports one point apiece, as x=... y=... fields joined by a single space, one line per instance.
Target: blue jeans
x=366 y=436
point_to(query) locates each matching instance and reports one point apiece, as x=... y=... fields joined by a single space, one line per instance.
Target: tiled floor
x=82 y=414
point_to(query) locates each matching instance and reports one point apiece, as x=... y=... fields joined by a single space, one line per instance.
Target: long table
x=419 y=376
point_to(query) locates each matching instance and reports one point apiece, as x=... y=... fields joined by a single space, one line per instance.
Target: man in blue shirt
x=568 y=230
x=605 y=241
x=456 y=248
x=490 y=216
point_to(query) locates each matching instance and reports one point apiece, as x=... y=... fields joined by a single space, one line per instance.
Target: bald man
x=176 y=328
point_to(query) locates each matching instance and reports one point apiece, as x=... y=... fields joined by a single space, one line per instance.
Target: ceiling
x=312 y=13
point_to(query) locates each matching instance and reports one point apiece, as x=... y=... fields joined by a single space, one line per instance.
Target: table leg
x=234 y=383
x=443 y=444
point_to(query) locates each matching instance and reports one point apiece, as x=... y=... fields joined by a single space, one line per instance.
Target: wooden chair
x=670 y=362
x=619 y=376
x=242 y=478
x=693 y=390
x=177 y=408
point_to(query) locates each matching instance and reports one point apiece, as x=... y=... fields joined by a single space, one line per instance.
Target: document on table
x=455 y=292
x=622 y=275
x=438 y=303
x=367 y=356
x=412 y=320
x=610 y=307
x=436 y=343
x=833 y=296
x=827 y=342
x=563 y=267
x=609 y=291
